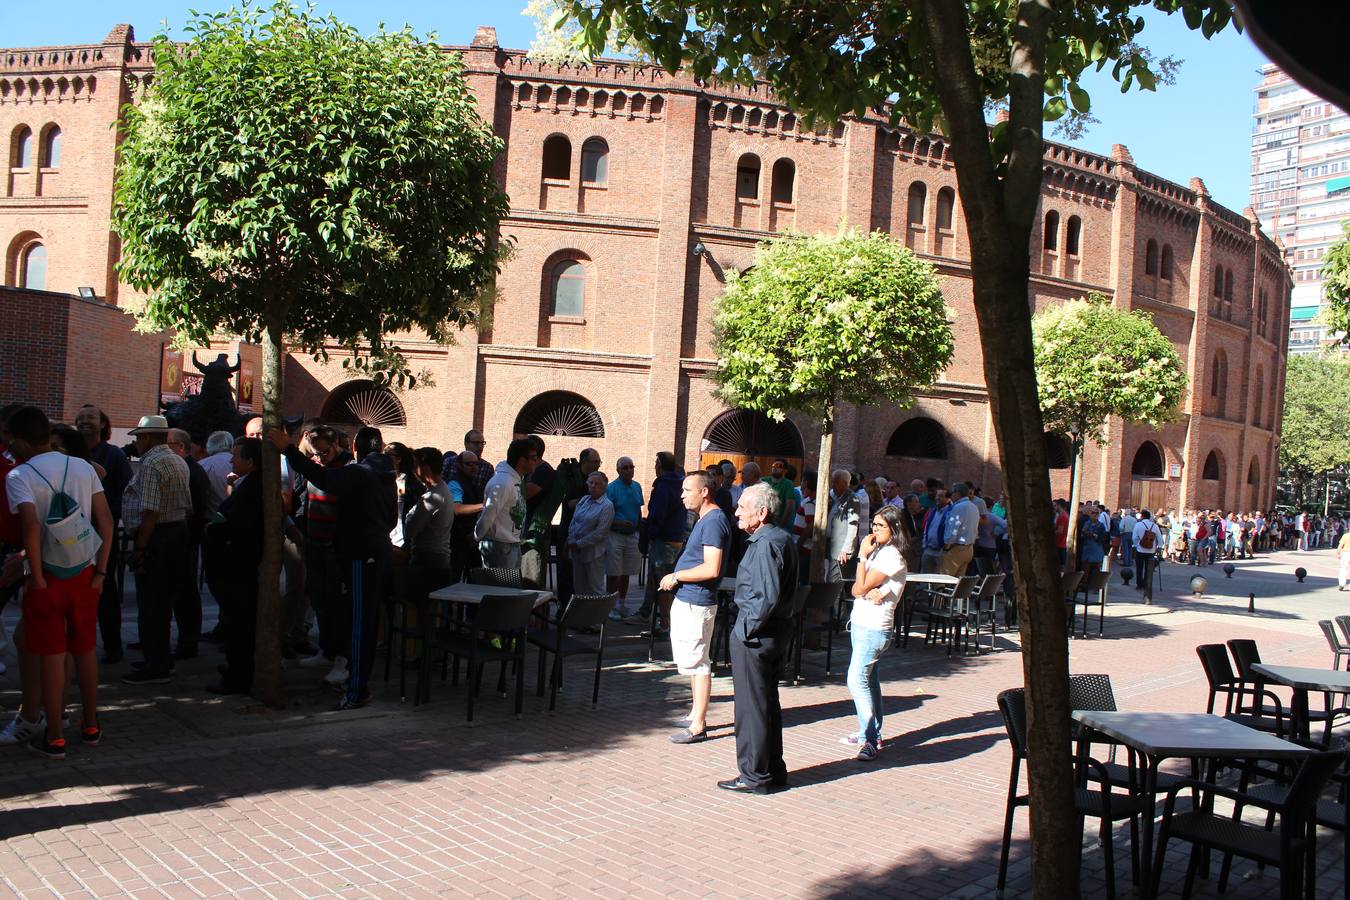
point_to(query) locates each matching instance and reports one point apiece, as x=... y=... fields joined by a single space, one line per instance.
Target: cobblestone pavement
x=196 y=796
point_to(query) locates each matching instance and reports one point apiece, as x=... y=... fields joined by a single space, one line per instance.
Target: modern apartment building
x=1300 y=189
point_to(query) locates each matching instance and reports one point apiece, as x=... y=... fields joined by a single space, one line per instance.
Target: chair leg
x=1009 y=810
x=829 y=637
x=472 y=681
x=1191 y=866
x=599 y=661
x=539 y=686
x=1109 y=858
x=555 y=681
x=520 y=675
x=1159 y=852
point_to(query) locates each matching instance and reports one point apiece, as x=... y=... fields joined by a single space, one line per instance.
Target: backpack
x=69 y=542
x=1148 y=539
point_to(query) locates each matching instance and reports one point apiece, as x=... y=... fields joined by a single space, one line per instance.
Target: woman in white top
x=876 y=593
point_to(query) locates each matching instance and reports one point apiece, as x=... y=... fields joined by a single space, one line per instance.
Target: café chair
x=822 y=598
x=507 y=618
x=1093 y=589
x=1069 y=581
x=983 y=606
x=582 y=613
x=948 y=610
x=1223 y=680
x=1339 y=648
x=502 y=578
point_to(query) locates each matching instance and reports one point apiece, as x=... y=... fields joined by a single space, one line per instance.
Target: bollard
x=1251 y=603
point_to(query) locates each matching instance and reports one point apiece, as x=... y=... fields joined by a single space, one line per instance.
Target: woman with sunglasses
x=876 y=593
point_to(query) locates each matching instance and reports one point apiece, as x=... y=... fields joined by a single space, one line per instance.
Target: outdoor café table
x=1303 y=680
x=473 y=594
x=1158 y=736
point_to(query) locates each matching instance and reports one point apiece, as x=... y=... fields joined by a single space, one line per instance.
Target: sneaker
x=20 y=729
x=91 y=736
x=51 y=749
x=339 y=673
x=317 y=661
x=349 y=703
x=856 y=740
x=147 y=676
x=867 y=752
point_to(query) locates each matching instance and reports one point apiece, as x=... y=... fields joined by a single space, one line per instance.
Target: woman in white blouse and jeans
x=876 y=593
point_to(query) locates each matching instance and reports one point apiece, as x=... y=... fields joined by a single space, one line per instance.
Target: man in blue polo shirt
x=695 y=580
x=625 y=557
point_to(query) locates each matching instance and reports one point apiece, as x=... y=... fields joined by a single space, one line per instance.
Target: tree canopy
x=1336 y=283
x=282 y=162
x=1094 y=361
x=1315 y=430
x=828 y=319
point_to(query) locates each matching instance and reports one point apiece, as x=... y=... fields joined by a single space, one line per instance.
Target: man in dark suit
x=765 y=583
x=238 y=529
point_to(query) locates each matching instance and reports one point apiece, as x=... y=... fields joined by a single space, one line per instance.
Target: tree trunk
x=1075 y=492
x=1000 y=209
x=820 y=527
x=267 y=681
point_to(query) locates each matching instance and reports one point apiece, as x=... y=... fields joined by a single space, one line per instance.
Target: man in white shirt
x=1147 y=540
x=1127 y=523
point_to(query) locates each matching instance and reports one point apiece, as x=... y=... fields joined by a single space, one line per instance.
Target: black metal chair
x=1288 y=841
x=551 y=636
x=506 y=617
x=1098 y=803
x=1340 y=649
x=1092 y=585
x=983 y=607
x=1069 y=581
x=947 y=612
x=1223 y=680
x=504 y=578
x=821 y=597
x=1343 y=623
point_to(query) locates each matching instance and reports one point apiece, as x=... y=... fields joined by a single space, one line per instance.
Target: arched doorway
x=1148 y=477
x=745 y=435
x=918 y=438
x=363 y=403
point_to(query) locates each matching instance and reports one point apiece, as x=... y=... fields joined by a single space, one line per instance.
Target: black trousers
x=110 y=605
x=163 y=578
x=756 y=669
x=187 y=606
x=323 y=583
x=365 y=580
x=241 y=625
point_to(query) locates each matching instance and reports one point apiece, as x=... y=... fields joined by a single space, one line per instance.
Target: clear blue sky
x=1200 y=126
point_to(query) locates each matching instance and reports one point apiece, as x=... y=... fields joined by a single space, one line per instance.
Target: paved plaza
x=196 y=796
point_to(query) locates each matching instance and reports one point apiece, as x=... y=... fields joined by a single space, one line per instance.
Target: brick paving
x=197 y=796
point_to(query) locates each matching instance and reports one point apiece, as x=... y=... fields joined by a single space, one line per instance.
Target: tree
x=1314 y=435
x=1094 y=361
x=824 y=320
x=928 y=62
x=1336 y=281
x=290 y=180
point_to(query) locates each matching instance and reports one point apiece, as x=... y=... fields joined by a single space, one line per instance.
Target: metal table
x=1303 y=679
x=1161 y=736
x=473 y=594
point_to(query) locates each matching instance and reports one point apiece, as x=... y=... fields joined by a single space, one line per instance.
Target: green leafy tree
x=293 y=181
x=1336 y=283
x=935 y=63
x=1094 y=361
x=1315 y=430
x=829 y=319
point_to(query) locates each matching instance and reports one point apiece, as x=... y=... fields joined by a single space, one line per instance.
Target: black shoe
x=91 y=736
x=147 y=676
x=745 y=787
x=224 y=687
x=188 y=652
x=139 y=666
x=51 y=749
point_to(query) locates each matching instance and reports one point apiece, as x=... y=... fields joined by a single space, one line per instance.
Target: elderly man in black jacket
x=238 y=535
x=765 y=583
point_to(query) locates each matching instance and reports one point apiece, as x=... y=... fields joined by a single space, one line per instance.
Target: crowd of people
x=366 y=523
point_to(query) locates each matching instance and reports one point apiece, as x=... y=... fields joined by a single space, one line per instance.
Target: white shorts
x=624 y=556
x=691 y=631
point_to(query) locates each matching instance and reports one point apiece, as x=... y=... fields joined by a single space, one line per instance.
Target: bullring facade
x=632 y=193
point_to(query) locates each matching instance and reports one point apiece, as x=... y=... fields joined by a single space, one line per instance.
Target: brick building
x=632 y=192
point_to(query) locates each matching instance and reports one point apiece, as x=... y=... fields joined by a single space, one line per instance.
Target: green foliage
x=1095 y=361
x=830 y=58
x=830 y=318
x=1336 y=281
x=285 y=170
x=1315 y=432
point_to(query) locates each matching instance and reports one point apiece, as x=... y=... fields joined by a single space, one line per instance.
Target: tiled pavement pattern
x=191 y=796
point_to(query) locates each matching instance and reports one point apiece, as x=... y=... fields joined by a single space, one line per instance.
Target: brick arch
x=546 y=278
x=573 y=381
x=17 y=246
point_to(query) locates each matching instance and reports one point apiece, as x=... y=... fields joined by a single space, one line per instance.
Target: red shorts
x=63 y=617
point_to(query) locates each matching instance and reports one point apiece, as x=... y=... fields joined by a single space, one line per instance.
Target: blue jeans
x=863 y=682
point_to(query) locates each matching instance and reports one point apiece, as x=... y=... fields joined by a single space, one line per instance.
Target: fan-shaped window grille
x=920 y=438
x=751 y=433
x=1148 y=461
x=560 y=413
x=364 y=403
x=1059 y=451
x=1213 y=470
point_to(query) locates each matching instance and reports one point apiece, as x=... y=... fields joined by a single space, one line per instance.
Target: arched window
x=51 y=148
x=1073 y=236
x=33 y=267
x=1218 y=282
x=752 y=433
x=1151 y=257
x=560 y=413
x=784 y=173
x=1165 y=267
x=1148 y=461
x=919 y=438
x=1051 y=237
x=22 y=155
x=1228 y=286
x=946 y=205
x=747 y=177
x=1059 y=451
x=569 y=289
x=558 y=158
x=362 y=402
x=918 y=203
x=1258 y=395
x=1213 y=470
x=1218 y=374
x=594 y=161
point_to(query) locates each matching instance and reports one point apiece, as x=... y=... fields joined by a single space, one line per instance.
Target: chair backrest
x=588 y=611
x=1013 y=704
x=1343 y=623
x=990 y=586
x=1308 y=783
x=504 y=612
x=823 y=594
x=1332 y=638
x=1245 y=655
x=965 y=587
x=1092 y=692
x=1071 y=580
x=509 y=578
x=1097 y=581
